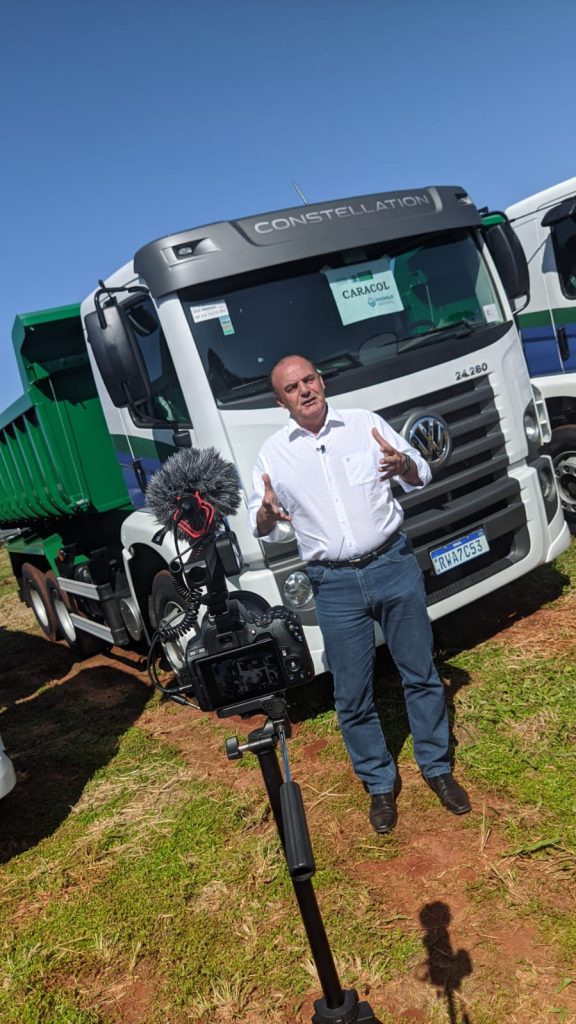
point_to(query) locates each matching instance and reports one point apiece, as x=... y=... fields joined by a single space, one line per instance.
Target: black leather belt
x=362 y=560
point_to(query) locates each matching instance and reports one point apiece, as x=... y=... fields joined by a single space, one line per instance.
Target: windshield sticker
x=209 y=311
x=364 y=290
x=226 y=324
x=490 y=312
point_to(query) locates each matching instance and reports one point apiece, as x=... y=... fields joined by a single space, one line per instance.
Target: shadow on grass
x=444 y=968
x=27 y=663
x=489 y=615
x=57 y=735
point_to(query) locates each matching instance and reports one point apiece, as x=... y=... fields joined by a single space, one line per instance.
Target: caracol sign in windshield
x=364 y=290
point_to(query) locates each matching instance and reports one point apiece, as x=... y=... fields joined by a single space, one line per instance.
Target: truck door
x=536 y=322
x=558 y=232
x=147 y=437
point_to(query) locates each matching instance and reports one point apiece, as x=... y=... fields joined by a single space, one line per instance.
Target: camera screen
x=243 y=674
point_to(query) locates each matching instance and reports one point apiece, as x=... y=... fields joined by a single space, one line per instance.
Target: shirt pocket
x=360 y=468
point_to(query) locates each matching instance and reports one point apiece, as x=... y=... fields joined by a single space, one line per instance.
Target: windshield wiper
x=377 y=348
x=459 y=329
x=259 y=386
x=338 y=364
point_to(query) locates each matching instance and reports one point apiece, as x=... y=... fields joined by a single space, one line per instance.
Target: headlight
x=297 y=591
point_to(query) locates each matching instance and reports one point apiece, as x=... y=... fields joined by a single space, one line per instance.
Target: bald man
x=326 y=478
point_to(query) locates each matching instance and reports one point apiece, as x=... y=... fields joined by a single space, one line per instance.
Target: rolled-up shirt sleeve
x=282 y=531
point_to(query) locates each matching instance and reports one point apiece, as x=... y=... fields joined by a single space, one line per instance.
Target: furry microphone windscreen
x=190 y=470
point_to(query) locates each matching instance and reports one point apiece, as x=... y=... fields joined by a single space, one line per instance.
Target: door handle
x=563 y=345
x=140 y=474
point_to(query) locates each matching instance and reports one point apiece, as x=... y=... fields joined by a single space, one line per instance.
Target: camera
x=244 y=653
x=233 y=669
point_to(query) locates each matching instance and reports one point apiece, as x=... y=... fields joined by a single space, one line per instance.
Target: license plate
x=459 y=551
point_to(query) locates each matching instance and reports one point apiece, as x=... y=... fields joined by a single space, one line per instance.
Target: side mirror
x=118 y=356
x=508 y=255
x=564 y=211
x=182 y=439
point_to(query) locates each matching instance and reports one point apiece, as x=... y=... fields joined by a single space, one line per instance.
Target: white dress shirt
x=330 y=485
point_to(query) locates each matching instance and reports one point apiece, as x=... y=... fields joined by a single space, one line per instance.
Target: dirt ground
x=474 y=951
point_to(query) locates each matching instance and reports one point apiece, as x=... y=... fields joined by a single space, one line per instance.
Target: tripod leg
x=304 y=892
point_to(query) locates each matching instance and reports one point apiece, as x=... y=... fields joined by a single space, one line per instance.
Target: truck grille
x=472 y=489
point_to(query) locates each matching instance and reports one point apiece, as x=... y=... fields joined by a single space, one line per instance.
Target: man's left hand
x=393 y=463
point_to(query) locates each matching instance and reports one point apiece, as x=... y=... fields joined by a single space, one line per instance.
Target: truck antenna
x=300 y=193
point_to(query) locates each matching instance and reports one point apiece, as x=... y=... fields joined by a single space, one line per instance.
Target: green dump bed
x=56 y=455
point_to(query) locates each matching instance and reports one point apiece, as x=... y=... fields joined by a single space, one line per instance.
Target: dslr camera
x=231 y=670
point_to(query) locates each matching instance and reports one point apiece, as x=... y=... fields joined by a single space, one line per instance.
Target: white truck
x=545 y=223
x=397 y=299
x=7 y=773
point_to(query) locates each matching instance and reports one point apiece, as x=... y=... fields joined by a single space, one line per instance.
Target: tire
x=168 y=609
x=562 y=449
x=82 y=644
x=35 y=586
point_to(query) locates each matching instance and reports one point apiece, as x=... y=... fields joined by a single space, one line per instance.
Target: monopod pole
x=338 y=1006
x=304 y=891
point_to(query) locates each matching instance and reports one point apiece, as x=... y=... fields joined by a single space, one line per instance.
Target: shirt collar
x=295 y=430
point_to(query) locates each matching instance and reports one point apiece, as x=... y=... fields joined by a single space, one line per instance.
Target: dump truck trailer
x=61 y=487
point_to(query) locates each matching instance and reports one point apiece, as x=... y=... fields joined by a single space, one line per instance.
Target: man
x=326 y=475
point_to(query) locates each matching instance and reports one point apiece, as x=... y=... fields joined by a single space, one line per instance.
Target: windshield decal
x=364 y=290
x=491 y=312
x=209 y=311
x=213 y=311
x=226 y=324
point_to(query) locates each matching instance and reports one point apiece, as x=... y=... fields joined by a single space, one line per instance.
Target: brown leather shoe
x=451 y=795
x=383 y=815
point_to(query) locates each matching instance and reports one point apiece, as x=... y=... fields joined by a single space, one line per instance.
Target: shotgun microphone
x=194 y=491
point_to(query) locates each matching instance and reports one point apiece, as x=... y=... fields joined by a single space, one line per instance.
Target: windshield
x=344 y=311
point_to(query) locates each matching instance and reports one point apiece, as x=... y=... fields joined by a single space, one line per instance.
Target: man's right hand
x=270 y=511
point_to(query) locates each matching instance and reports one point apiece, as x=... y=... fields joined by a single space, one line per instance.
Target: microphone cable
x=168 y=633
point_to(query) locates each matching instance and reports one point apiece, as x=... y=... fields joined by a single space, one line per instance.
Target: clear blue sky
x=124 y=120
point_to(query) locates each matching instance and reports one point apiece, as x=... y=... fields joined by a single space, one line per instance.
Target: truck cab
x=545 y=224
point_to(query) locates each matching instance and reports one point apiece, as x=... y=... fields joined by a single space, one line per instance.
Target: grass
x=151 y=887
x=151 y=866
x=8 y=583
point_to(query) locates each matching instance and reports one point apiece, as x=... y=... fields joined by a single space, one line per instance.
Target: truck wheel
x=562 y=449
x=168 y=610
x=36 y=591
x=83 y=644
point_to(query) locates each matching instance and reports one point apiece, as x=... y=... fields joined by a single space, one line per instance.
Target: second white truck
x=545 y=223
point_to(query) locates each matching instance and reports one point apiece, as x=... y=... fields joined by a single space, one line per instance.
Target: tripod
x=337 y=1006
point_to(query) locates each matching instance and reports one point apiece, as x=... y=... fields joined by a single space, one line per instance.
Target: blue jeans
x=389 y=590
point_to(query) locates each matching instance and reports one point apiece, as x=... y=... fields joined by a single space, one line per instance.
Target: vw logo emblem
x=430 y=436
